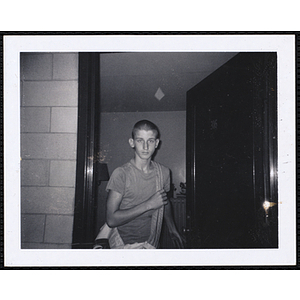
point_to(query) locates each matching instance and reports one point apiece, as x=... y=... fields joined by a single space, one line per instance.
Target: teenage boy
x=137 y=195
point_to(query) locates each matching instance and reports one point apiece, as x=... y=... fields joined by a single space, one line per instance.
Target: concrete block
x=48 y=146
x=35 y=119
x=34 y=172
x=59 y=229
x=50 y=93
x=47 y=200
x=36 y=66
x=65 y=66
x=62 y=173
x=64 y=119
x=32 y=228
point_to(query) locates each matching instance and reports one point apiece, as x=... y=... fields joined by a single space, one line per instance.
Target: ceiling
x=129 y=81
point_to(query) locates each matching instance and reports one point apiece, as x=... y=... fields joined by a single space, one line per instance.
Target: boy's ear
x=156 y=143
x=131 y=143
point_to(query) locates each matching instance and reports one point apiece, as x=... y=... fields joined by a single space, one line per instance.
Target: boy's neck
x=141 y=164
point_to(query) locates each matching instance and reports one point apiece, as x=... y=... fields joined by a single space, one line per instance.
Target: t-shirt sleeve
x=117 y=181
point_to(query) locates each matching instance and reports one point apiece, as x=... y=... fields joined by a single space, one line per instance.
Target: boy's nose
x=145 y=146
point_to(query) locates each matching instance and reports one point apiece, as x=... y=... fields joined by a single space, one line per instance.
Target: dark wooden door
x=232 y=155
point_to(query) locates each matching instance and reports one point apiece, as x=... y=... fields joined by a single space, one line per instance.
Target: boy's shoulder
x=122 y=170
x=163 y=167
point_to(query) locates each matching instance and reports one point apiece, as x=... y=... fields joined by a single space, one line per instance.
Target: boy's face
x=144 y=143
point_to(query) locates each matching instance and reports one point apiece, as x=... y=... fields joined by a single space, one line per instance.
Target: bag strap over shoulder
x=157 y=216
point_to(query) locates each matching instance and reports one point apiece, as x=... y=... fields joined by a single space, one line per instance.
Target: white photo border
x=283 y=44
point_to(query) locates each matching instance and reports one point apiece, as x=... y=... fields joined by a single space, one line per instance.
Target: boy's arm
x=116 y=216
x=175 y=236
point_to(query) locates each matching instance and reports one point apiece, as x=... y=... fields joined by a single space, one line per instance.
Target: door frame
x=88 y=145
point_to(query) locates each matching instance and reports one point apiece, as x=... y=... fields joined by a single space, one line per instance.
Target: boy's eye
x=141 y=141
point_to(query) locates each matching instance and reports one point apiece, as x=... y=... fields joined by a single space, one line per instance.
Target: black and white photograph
x=150 y=150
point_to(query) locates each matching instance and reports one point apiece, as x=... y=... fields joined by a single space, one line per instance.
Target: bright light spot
x=266 y=205
x=272 y=173
x=89 y=170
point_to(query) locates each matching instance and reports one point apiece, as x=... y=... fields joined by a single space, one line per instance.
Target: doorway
x=120 y=89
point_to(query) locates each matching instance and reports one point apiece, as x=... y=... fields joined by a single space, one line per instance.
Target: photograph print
x=152 y=150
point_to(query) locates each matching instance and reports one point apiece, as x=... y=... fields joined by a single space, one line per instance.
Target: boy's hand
x=158 y=200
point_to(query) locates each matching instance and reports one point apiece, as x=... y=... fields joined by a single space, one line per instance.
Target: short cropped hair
x=145 y=125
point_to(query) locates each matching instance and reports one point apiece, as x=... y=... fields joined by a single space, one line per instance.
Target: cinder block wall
x=49 y=94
